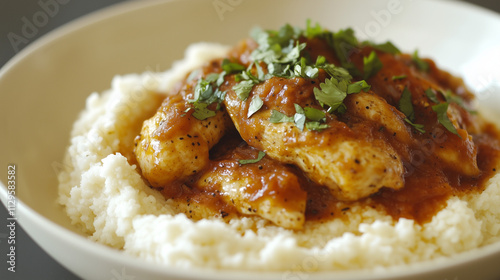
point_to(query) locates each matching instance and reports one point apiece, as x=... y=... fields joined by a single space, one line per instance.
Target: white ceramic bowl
x=44 y=87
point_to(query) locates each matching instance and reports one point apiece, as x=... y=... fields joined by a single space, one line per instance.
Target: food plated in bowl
x=148 y=82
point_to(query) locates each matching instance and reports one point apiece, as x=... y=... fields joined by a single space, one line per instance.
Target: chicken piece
x=371 y=107
x=266 y=188
x=174 y=145
x=348 y=162
x=456 y=153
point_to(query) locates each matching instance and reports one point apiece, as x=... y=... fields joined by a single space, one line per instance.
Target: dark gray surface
x=32 y=262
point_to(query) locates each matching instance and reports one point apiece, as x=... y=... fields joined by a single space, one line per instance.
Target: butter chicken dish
x=294 y=143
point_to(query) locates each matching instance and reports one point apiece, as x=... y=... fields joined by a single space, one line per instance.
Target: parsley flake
x=201 y=111
x=442 y=115
x=387 y=47
x=406 y=107
x=357 y=87
x=255 y=105
x=231 y=67
x=299 y=118
x=260 y=156
x=278 y=117
x=314 y=114
x=421 y=64
x=418 y=127
x=399 y=77
x=316 y=126
x=431 y=95
x=243 y=88
x=332 y=93
x=405 y=104
x=371 y=65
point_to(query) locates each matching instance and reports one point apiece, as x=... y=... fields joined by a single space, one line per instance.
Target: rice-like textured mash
x=108 y=200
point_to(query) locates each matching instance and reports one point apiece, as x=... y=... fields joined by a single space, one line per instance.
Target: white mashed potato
x=108 y=200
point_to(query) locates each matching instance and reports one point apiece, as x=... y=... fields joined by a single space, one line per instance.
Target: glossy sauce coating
x=437 y=163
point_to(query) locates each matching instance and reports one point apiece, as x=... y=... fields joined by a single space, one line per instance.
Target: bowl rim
x=26 y=213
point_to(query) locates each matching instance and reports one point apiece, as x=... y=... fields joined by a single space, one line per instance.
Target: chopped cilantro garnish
x=278 y=117
x=314 y=114
x=431 y=95
x=255 y=105
x=442 y=115
x=316 y=126
x=205 y=94
x=371 y=65
x=357 y=87
x=344 y=43
x=331 y=94
x=421 y=64
x=400 y=77
x=338 y=73
x=243 y=89
x=260 y=156
x=299 y=120
x=313 y=31
x=453 y=98
x=405 y=104
x=406 y=107
x=387 y=47
x=418 y=127
x=201 y=111
x=320 y=61
x=311 y=118
x=231 y=67
x=305 y=71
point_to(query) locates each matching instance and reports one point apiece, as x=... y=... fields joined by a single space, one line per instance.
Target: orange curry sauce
x=429 y=181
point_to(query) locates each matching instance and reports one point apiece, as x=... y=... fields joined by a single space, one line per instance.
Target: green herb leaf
x=387 y=47
x=442 y=116
x=243 y=88
x=231 y=67
x=255 y=105
x=371 y=65
x=357 y=87
x=316 y=126
x=260 y=73
x=260 y=156
x=313 y=31
x=405 y=104
x=344 y=43
x=421 y=64
x=419 y=127
x=332 y=93
x=278 y=117
x=201 y=111
x=338 y=73
x=314 y=114
x=320 y=61
x=431 y=95
x=299 y=120
x=400 y=77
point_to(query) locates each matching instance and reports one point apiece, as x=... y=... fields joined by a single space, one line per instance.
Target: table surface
x=33 y=262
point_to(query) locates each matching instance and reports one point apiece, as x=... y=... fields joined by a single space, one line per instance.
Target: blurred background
x=33 y=262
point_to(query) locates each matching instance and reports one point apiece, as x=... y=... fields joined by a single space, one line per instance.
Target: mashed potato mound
x=108 y=200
